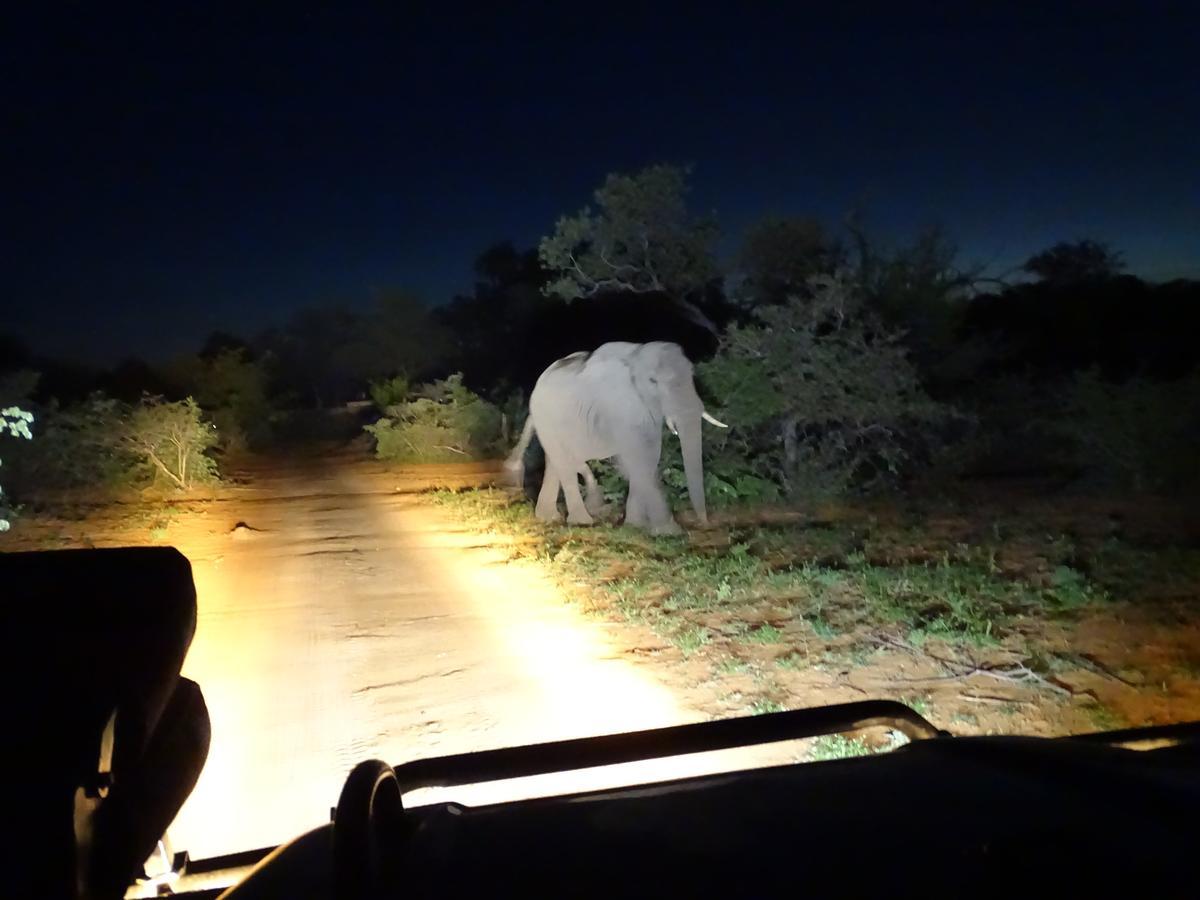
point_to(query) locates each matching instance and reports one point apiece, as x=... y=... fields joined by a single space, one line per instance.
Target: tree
x=820 y=394
x=102 y=442
x=330 y=354
x=171 y=439
x=921 y=289
x=1075 y=262
x=306 y=350
x=640 y=239
x=231 y=386
x=497 y=328
x=778 y=257
x=399 y=335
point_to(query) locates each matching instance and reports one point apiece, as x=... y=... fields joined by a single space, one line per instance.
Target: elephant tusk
x=707 y=418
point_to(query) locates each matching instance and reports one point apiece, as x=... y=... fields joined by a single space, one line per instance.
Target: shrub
x=821 y=399
x=389 y=392
x=1138 y=434
x=231 y=388
x=80 y=446
x=444 y=422
x=103 y=443
x=171 y=439
x=14 y=422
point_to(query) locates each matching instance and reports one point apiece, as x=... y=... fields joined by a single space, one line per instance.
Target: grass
x=731 y=665
x=1120 y=568
x=1104 y=718
x=919 y=583
x=837 y=746
x=791 y=662
x=691 y=639
x=155 y=519
x=765 y=705
x=765 y=634
x=820 y=626
x=918 y=704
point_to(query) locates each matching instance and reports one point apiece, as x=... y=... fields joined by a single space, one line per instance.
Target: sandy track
x=357 y=621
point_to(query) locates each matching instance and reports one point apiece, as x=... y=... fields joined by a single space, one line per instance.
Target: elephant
x=612 y=403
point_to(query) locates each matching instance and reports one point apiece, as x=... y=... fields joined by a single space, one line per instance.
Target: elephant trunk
x=693 y=465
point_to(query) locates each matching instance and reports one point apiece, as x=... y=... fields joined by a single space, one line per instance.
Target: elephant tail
x=514 y=466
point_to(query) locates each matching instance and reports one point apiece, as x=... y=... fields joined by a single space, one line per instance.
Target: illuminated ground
x=352 y=621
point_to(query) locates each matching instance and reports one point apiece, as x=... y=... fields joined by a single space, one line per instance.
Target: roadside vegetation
x=964 y=617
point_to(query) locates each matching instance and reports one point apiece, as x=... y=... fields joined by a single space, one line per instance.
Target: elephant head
x=665 y=379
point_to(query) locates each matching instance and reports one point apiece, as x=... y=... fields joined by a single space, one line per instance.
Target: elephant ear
x=671 y=365
x=616 y=378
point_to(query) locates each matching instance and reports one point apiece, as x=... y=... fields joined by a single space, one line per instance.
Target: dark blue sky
x=167 y=175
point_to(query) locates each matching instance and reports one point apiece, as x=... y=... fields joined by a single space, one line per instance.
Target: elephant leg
x=594 y=498
x=547 y=501
x=646 y=496
x=566 y=476
x=635 y=510
x=577 y=511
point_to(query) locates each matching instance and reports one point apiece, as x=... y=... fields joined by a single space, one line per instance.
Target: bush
x=389 y=392
x=821 y=398
x=14 y=422
x=1139 y=434
x=80 y=446
x=231 y=388
x=171 y=439
x=103 y=443
x=445 y=422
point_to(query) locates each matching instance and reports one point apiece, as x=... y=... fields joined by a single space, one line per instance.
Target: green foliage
x=641 y=238
x=389 y=392
x=14 y=422
x=103 y=443
x=232 y=389
x=445 y=422
x=778 y=257
x=765 y=705
x=1104 y=718
x=691 y=639
x=80 y=446
x=765 y=634
x=837 y=746
x=920 y=290
x=1140 y=434
x=729 y=477
x=171 y=440
x=820 y=396
x=963 y=601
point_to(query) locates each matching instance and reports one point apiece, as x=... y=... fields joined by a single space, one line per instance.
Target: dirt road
x=351 y=620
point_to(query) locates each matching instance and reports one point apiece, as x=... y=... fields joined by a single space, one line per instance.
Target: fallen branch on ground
x=1018 y=674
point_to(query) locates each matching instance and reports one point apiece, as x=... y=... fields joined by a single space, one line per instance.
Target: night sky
x=167 y=176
